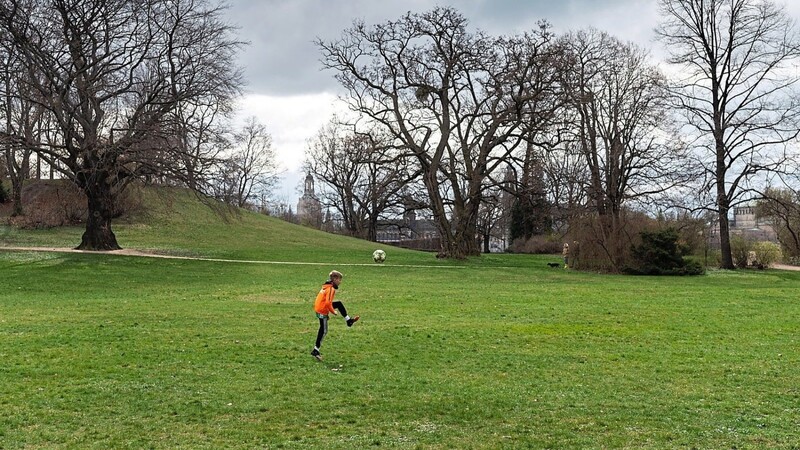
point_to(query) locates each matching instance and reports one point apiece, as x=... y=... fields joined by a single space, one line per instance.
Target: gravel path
x=784 y=267
x=131 y=252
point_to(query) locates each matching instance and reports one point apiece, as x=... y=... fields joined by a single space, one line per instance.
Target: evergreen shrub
x=659 y=253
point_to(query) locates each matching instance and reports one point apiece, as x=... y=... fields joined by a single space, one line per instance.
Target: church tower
x=309 y=210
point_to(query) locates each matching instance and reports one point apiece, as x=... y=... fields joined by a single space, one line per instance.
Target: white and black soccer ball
x=379 y=256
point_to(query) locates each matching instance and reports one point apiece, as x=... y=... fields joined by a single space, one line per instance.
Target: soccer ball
x=379 y=256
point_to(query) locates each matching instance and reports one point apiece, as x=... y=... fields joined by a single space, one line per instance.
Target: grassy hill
x=174 y=221
x=113 y=351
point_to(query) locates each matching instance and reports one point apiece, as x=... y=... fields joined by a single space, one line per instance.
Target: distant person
x=565 y=254
x=325 y=305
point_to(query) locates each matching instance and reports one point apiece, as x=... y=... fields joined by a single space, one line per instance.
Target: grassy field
x=110 y=351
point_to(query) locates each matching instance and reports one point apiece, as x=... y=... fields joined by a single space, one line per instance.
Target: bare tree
x=113 y=75
x=362 y=175
x=250 y=171
x=200 y=135
x=22 y=118
x=566 y=176
x=619 y=124
x=453 y=98
x=781 y=207
x=490 y=218
x=737 y=93
x=530 y=211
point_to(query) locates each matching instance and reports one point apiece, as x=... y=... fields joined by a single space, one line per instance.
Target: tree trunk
x=372 y=229
x=725 y=238
x=16 y=177
x=465 y=238
x=98 y=234
x=461 y=242
x=723 y=205
x=458 y=249
x=16 y=193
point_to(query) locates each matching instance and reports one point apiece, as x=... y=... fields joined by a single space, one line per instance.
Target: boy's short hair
x=335 y=274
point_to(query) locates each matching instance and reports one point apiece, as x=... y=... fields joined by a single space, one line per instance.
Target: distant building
x=423 y=234
x=409 y=232
x=747 y=224
x=309 y=210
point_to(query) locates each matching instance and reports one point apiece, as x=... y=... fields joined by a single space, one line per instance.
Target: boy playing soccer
x=325 y=305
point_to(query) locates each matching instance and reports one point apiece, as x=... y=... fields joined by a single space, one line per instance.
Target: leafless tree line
x=606 y=128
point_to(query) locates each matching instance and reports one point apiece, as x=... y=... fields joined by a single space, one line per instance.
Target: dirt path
x=131 y=252
x=784 y=267
x=125 y=252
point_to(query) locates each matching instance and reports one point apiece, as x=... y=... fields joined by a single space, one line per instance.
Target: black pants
x=323 y=322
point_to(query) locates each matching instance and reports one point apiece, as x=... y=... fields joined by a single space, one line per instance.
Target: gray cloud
x=282 y=60
x=285 y=76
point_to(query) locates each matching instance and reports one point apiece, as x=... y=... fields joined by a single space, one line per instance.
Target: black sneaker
x=352 y=321
x=315 y=354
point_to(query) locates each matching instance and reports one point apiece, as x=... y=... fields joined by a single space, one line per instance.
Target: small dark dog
x=553 y=264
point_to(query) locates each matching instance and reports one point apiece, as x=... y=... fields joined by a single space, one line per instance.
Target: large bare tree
x=250 y=171
x=737 y=91
x=455 y=99
x=113 y=76
x=362 y=175
x=617 y=120
x=616 y=108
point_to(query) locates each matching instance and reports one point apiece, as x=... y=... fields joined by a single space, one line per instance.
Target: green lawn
x=108 y=351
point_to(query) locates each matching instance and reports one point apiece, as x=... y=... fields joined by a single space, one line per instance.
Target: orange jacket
x=324 y=302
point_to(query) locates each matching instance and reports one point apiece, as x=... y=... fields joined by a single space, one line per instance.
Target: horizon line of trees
x=592 y=130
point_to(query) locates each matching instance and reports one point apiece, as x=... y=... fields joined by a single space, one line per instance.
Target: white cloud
x=291 y=121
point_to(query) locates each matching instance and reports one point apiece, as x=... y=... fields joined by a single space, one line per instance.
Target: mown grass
x=112 y=351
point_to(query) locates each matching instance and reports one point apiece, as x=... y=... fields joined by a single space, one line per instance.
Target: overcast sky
x=290 y=93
